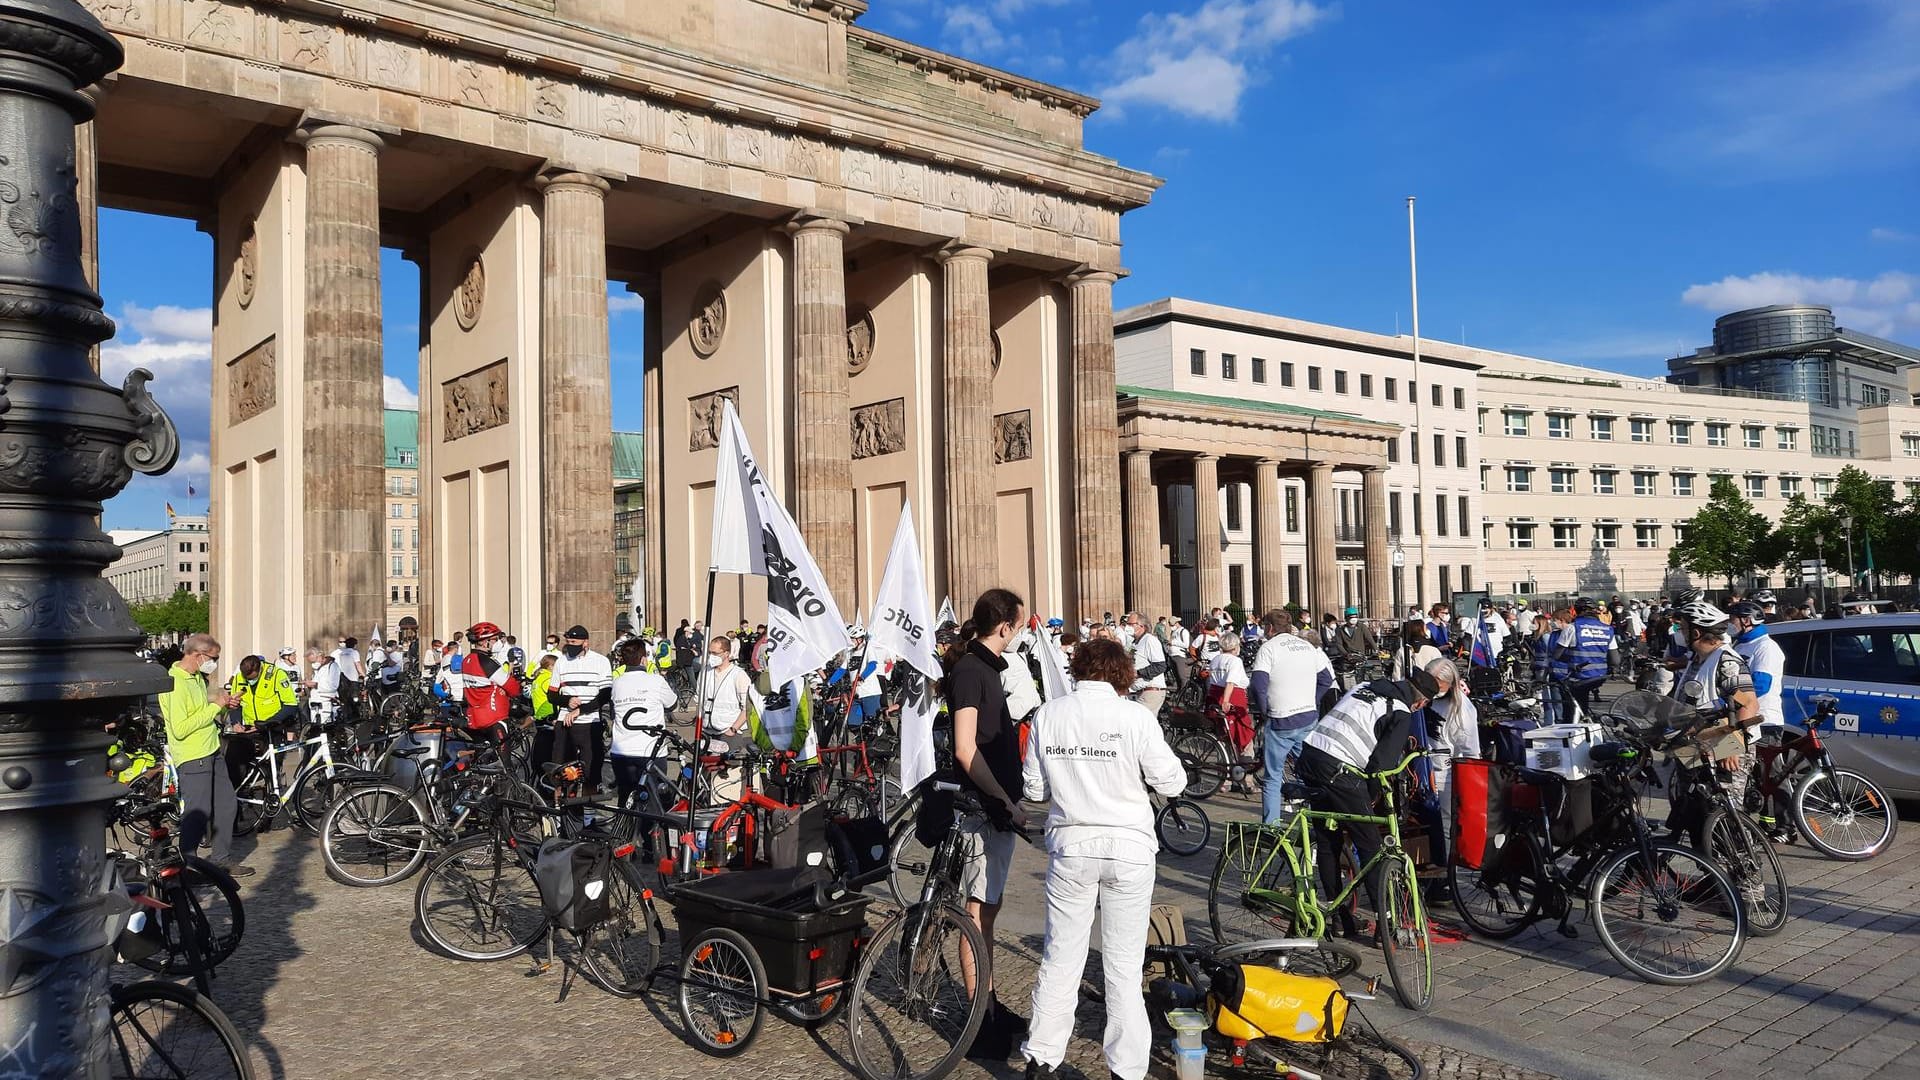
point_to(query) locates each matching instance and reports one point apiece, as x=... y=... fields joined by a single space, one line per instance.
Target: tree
x=1727 y=538
x=180 y=614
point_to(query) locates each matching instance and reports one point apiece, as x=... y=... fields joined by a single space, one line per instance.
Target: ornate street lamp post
x=67 y=441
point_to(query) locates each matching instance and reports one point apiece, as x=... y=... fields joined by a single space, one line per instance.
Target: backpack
x=575 y=878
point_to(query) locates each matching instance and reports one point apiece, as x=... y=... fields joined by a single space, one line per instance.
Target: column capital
x=957 y=251
x=1321 y=467
x=815 y=221
x=313 y=133
x=1202 y=455
x=1087 y=275
x=568 y=179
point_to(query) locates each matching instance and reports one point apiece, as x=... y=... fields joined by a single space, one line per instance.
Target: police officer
x=1586 y=647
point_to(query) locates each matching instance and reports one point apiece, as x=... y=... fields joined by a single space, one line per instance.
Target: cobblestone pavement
x=332 y=982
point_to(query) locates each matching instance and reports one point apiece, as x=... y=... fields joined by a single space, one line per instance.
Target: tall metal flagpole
x=67 y=665
x=1420 y=466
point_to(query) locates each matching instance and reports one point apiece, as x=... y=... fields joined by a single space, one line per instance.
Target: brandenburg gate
x=898 y=263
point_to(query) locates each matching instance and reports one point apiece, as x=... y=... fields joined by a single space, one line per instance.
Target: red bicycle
x=1841 y=813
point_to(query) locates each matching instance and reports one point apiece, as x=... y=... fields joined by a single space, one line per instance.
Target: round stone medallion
x=247 y=264
x=709 y=321
x=471 y=293
x=859 y=338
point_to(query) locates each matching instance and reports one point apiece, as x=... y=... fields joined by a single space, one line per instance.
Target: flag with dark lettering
x=753 y=534
x=901 y=628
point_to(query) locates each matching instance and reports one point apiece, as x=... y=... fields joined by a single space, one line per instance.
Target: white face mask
x=209 y=666
x=714 y=660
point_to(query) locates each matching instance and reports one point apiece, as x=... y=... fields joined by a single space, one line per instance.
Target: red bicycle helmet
x=484 y=630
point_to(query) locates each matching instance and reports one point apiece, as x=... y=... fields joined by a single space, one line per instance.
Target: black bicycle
x=1704 y=812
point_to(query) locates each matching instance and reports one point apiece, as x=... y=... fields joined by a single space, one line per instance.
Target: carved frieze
x=213 y=25
x=246 y=265
x=708 y=322
x=1013 y=436
x=859 y=338
x=879 y=428
x=476 y=401
x=705 y=415
x=470 y=293
x=308 y=45
x=253 y=383
x=687 y=133
x=550 y=99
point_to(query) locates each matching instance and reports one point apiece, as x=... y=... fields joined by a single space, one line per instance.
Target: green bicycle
x=1265 y=886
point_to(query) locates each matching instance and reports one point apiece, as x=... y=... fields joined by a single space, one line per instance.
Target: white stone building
x=154 y=564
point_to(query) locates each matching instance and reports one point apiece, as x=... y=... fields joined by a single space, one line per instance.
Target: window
x=406 y=457
x=1680 y=431
x=1393 y=389
x=1393 y=513
x=1393 y=449
x=393 y=511
x=1560 y=481
x=1519 y=478
x=416 y=539
x=203 y=568
x=1232 y=493
x=1486 y=471
x=1643 y=483
x=1459 y=451
x=1258 y=369
x=1909 y=445
x=1789 y=486
x=1516 y=423
x=1566 y=536
x=1440 y=451
x=1750 y=438
x=1440 y=515
x=1237 y=584
x=1522 y=588
x=1286 y=373
x=1413 y=447
x=1606 y=536
x=1639 y=430
x=1480 y=424
x=1789 y=439
x=1418 y=529
x=1683 y=484
x=1439 y=393
x=186 y=548
x=1460 y=398
x=1446 y=581
x=1716 y=434
x=1822 y=486
x=1463 y=514
x=1313 y=378
x=397 y=563
x=1646 y=536
x=1339 y=382
x=1603 y=480
x=1601 y=428
x=1756 y=486
x=1366 y=385
x=1197 y=361
x=1559 y=427
x=1293 y=583
x=1293 y=509
x=396 y=538
x=1520 y=536
x=416 y=566
x=1228 y=365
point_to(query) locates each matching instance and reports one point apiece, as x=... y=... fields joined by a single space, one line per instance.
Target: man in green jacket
x=192 y=713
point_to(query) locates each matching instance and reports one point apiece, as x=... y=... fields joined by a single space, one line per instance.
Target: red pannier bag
x=1479 y=809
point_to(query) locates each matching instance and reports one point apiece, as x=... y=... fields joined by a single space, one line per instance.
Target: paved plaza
x=331 y=982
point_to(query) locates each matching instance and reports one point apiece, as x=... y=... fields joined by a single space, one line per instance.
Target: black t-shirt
x=975 y=684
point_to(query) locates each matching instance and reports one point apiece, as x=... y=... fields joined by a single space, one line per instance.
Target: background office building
x=156 y=563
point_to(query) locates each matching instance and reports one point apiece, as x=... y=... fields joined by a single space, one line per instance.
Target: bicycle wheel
x=912 y=1016
x=1745 y=853
x=620 y=952
x=1302 y=956
x=203 y=907
x=1672 y=919
x=477 y=901
x=1183 y=827
x=1404 y=939
x=1360 y=1050
x=163 y=1030
x=1503 y=895
x=1250 y=895
x=315 y=791
x=251 y=809
x=722 y=983
x=1844 y=815
x=907 y=862
x=1207 y=761
x=375 y=835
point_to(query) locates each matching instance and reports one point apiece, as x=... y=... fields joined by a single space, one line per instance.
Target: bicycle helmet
x=1765 y=596
x=483 y=630
x=855 y=630
x=1744 y=609
x=1585 y=605
x=1689 y=597
x=1702 y=615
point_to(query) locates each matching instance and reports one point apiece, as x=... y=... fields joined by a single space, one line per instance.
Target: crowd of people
x=1319 y=702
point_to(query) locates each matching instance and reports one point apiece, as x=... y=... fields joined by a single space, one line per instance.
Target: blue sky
x=1595 y=182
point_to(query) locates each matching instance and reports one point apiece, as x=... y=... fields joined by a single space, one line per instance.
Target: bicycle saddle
x=411 y=751
x=1295 y=791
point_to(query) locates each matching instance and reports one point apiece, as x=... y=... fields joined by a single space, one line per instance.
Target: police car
x=1872 y=665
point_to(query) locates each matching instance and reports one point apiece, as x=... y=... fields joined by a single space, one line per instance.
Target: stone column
x=1322 y=513
x=973 y=535
x=653 y=468
x=345 y=430
x=1270 y=572
x=822 y=438
x=1096 y=451
x=1147 y=583
x=1210 y=575
x=1373 y=496
x=576 y=399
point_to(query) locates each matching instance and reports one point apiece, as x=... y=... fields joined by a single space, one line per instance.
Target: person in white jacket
x=1095 y=754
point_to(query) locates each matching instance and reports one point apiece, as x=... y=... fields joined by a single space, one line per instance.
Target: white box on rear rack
x=1563 y=749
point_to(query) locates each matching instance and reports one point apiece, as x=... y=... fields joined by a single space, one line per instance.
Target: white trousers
x=1124 y=893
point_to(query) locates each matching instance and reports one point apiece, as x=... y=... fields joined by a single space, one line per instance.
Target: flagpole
x=700 y=709
x=1420 y=468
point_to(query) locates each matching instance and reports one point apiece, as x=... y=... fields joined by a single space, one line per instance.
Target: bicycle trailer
x=805 y=931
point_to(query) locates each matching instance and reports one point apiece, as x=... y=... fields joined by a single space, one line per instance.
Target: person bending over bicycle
x=265 y=698
x=1095 y=754
x=1366 y=731
x=1717 y=676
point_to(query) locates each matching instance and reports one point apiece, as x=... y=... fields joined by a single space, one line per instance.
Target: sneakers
x=236 y=870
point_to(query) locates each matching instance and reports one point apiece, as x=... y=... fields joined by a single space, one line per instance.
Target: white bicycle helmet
x=1764 y=596
x=855 y=630
x=1702 y=615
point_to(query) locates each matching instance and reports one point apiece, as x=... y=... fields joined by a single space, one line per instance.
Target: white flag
x=946 y=613
x=1054 y=680
x=753 y=534
x=637 y=596
x=899 y=628
x=376 y=638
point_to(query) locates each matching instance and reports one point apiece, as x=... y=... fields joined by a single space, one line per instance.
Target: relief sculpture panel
x=705 y=415
x=1013 y=437
x=252 y=383
x=475 y=402
x=879 y=428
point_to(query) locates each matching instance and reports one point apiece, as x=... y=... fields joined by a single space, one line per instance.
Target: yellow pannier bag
x=1256 y=1002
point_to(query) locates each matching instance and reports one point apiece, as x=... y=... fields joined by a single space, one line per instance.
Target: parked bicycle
x=1841 y=813
x=1704 y=813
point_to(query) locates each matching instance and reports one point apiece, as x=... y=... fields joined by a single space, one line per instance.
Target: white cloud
x=398 y=395
x=1884 y=235
x=1883 y=306
x=1200 y=63
x=619 y=303
x=971 y=30
x=169 y=323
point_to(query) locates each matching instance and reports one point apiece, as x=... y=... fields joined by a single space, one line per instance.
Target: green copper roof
x=403 y=437
x=1191 y=398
